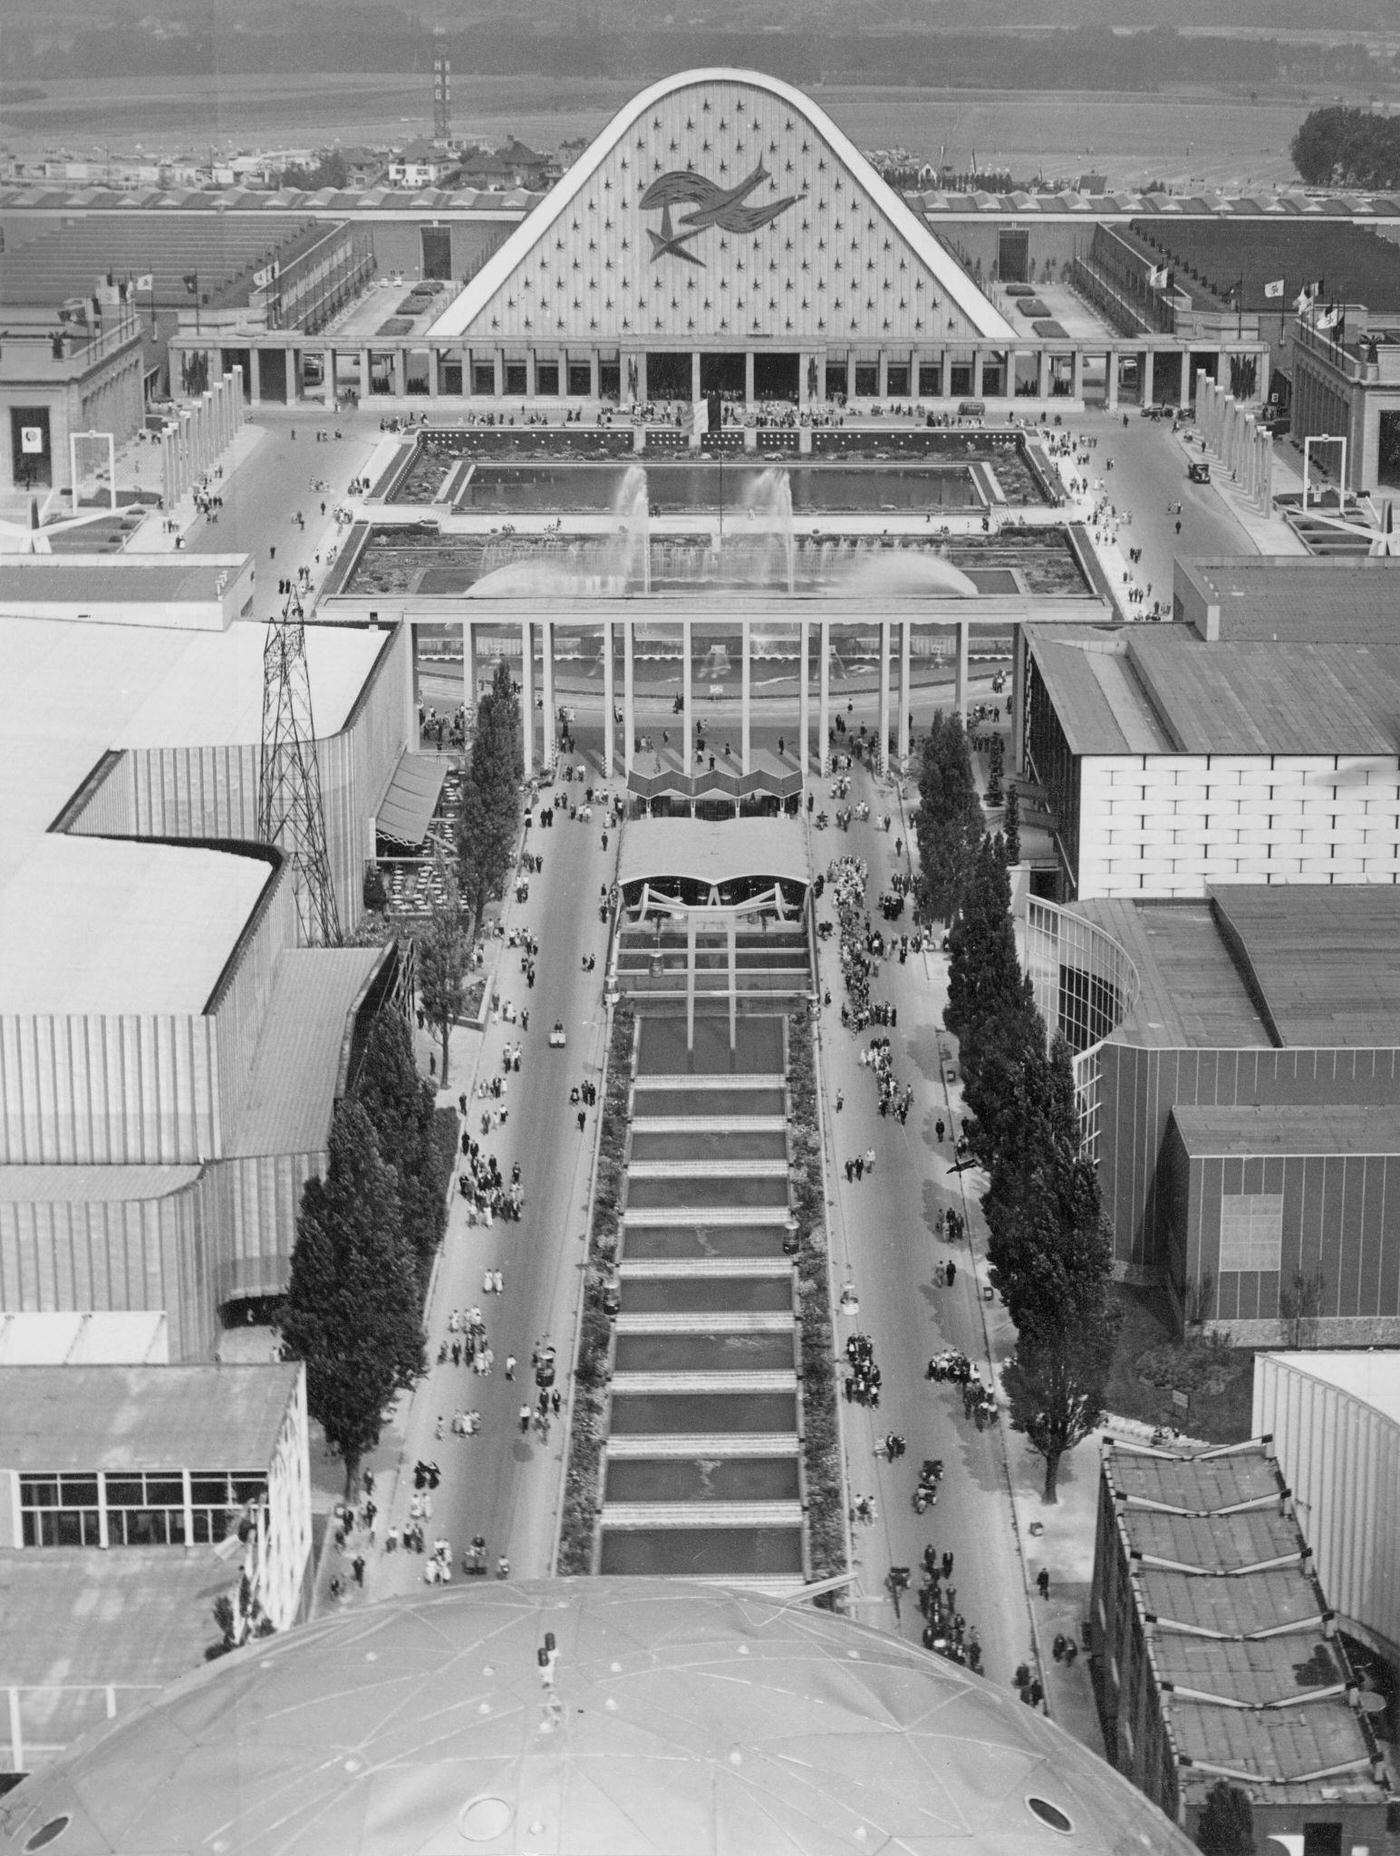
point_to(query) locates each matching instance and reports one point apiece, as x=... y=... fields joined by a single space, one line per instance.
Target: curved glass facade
x=1085 y=986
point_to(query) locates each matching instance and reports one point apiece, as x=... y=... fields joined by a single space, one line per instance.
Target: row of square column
x=628 y=717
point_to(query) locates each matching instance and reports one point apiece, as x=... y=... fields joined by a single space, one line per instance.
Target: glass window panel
x=165 y=1491
x=38 y=1491
x=78 y=1491
x=125 y=1491
x=209 y=1490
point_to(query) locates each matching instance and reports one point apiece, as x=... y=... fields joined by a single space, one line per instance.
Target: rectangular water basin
x=758 y=1047
x=683 y=1295
x=648 y=1194
x=681 y=1102
x=683 y=1414
x=738 y=1144
x=702 y=1479
x=704 y=1353
x=644 y=1241
x=691 y=1552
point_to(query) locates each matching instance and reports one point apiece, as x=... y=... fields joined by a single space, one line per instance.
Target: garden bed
x=1149 y=1363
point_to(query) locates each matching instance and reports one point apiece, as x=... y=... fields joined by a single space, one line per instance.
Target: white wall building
x=1254 y=741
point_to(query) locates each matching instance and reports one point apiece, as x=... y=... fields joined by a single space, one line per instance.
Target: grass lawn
x=1149 y=1361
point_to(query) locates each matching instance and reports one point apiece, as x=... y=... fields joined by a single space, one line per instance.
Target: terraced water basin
x=715 y=1240
x=768 y=1552
x=702 y=1479
x=704 y=1353
x=733 y=1144
x=682 y=1102
x=821 y=489
x=652 y=1194
x=685 y=1295
x=758 y=1047
x=685 y=1414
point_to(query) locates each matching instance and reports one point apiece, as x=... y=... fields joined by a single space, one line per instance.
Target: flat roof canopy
x=714 y=851
x=76 y=1419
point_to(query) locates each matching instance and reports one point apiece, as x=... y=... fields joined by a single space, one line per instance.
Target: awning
x=412 y=798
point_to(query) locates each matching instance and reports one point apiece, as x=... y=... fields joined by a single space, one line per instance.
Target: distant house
x=421 y=164
x=486 y=172
x=364 y=167
x=524 y=166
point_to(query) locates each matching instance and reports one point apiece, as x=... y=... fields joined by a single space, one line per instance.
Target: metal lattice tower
x=290 y=814
x=442 y=89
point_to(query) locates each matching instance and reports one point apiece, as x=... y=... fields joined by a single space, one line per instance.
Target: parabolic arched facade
x=721 y=213
x=612 y=1716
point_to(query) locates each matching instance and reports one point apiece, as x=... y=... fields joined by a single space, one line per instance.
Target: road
x=502 y=1484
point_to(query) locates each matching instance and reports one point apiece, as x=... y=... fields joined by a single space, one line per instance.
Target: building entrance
x=775 y=376
x=668 y=376
x=722 y=374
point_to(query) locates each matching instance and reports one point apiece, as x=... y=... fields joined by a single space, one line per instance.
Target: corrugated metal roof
x=1179 y=695
x=1217 y=1676
x=76 y=1419
x=1302 y=601
x=291 y=1088
x=1274 y=1131
x=1323 y=958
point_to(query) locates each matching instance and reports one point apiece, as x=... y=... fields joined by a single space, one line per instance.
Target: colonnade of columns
x=895 y=686
x=198 y=434
x=1229 y=429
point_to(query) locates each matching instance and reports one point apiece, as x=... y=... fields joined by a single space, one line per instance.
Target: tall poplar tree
x=401 y=1105
x=352 y=1311
x=490 y=818
x=948 y=823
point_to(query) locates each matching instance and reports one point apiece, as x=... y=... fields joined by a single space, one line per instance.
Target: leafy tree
x=352 y=1311
x=490 y=816
x=401 y=1106
x=948 y=823
x=444 y=956
x=1055 y=1386
x=1226 y=1826
x=1346 y=147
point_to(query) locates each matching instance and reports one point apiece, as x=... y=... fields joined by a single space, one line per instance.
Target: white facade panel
x=1170 y=825
x=1340 y=1454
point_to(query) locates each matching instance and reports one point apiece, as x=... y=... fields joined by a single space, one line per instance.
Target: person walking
x=1042 y=1580
x=524 y=1420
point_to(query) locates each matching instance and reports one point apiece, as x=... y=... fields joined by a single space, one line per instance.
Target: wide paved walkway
x=990 y=1513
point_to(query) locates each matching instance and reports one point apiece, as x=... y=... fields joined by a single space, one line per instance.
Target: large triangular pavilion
x=721 y=235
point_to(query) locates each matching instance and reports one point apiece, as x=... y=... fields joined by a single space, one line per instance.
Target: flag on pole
x=1327 y=318
x=192 y=282
x=1157 y=277
x=1303 y=301
x=1275 y=288
x=146 y=281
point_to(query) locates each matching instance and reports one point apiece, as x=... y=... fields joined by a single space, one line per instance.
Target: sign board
x=1181 y=1401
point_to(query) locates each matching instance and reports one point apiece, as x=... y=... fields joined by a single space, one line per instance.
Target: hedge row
x=588 y=1420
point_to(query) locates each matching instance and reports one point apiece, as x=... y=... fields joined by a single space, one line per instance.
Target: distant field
x=1204 y=137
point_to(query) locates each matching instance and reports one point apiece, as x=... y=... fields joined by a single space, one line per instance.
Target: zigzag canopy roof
x=721 y=207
